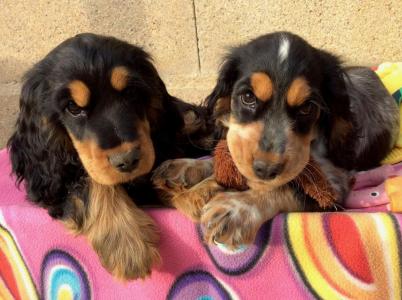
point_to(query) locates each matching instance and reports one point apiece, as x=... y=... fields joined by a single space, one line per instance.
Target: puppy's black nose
x=265 y=170
x=126 y=161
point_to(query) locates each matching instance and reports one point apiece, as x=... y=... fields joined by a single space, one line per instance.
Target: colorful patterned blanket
x=296 y=256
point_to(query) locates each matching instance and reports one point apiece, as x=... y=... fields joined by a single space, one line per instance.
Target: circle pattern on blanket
x=198 y=285
x=243 y=260
x=338 y=256
x=63 y=277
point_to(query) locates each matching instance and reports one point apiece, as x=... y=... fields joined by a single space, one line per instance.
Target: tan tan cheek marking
x=119 y=78
x=298 y=92
x=79 y=92
x=262 y=86
x=222 y=106
x=341 y=129
x=243 y=144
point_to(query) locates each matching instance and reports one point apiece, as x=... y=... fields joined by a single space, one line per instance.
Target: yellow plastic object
x=391 y=76
x=393 y=187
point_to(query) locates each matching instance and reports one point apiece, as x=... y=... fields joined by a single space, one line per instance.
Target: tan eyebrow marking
x=262 y=86
x=298 y=92
x=79 y=92
x=119 y=78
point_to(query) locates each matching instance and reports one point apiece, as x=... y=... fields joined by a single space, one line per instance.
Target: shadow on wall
x=8 y=116
x=10 y=72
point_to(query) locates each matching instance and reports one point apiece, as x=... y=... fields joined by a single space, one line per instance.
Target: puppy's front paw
x=229 y=220
x=177 y=175
x=129 y=253
x=192 y=202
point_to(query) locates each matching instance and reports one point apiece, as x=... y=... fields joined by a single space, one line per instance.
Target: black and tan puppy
x=286 y=102
x=95 y=120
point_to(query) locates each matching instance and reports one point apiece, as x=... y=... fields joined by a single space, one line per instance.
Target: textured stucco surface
x=188 y=37
x=362 y=32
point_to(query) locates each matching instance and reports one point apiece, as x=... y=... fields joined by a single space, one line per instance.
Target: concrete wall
x=188 y=37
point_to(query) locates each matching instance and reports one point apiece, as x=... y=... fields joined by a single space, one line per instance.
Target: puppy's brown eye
x=306 y=110
x=248 y=99
x=74 y=109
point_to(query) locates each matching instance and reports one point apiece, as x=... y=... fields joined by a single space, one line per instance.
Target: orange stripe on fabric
x=6 y=273
x=316 y=260
x=309 y=272
x=21 y=275
x=5 y=292
x=346 y=241
x=371 y=238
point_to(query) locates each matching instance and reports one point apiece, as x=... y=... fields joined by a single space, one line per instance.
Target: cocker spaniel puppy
x=284 y=101
x=95 y=119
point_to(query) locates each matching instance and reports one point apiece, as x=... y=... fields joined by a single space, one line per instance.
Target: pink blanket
x=296 y=256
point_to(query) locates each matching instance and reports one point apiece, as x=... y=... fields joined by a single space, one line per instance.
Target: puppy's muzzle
x=266 y=170
x=126 y=161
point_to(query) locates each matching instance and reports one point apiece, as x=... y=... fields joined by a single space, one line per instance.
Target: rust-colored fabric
x=314 y=184
x=225 y=170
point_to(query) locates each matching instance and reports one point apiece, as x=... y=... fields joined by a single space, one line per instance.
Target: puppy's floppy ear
x=223 y=89
x=333 y=85
x=162 y=103
x=334 y=92
x=39 y=150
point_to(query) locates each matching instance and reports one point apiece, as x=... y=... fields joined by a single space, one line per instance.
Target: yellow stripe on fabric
x=312 y=275
x=394 y=157
x=312 y=252
x=393 y=188
x=391 y=249
x=22 y=275
x=390 y=75
x=370 y=235
x=4 y=292
x=342 y=280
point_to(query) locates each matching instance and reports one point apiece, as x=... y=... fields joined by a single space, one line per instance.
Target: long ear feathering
x=333 y=83
x=228 y=74
x=339 y=118
x=162 y=103
x=41 y=154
